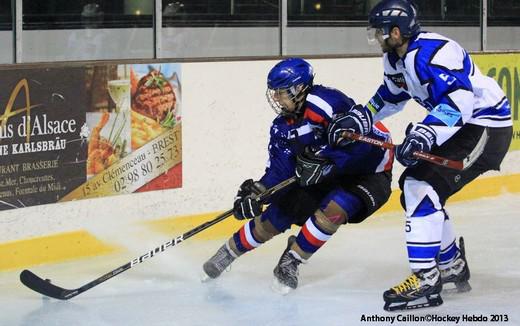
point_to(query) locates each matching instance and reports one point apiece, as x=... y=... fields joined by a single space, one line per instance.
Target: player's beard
x=386 y=47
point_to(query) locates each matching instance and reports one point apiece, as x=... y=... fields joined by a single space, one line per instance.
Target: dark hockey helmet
x=288 y=83
x=388 y=14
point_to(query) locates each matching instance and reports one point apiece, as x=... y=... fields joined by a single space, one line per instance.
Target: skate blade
x=431 y=301
x=280 y=288
x=460 y=287
x=463 y=287
x=205 y=278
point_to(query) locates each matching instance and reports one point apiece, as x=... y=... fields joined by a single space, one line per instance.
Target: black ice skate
x=218 y=263
x=458 y=272
x=421 y=289
x=286 y=272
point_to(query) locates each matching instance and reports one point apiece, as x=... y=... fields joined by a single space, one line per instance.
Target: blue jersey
x=289 y=137
x=441 y=76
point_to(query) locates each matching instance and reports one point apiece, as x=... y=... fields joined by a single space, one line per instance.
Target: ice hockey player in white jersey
x=464 y=106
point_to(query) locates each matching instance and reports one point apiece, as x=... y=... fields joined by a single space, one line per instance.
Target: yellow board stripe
x=79 y=244
x=54 y=248
x=486 y=187
x=178 y=225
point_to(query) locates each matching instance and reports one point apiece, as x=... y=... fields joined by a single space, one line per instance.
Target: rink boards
x=225 y=129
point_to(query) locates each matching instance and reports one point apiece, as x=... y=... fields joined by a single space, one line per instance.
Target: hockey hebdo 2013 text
x=455 y=319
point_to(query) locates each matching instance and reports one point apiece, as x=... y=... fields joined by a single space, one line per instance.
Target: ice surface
x=340 y=284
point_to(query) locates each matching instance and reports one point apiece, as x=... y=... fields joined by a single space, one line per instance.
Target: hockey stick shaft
x=438 y=160
x=46 y=288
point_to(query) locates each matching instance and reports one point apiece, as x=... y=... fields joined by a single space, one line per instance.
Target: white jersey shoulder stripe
x=322 y=104
x=450 y=56
x=433 y=36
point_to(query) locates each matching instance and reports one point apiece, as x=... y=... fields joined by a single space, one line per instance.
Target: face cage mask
x=376 y=35
x=291 y=94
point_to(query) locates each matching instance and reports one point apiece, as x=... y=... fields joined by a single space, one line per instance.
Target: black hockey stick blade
x=36 y=283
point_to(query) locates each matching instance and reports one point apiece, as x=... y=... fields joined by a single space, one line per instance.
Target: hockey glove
x=312 y=169
x=358 y=120
x=245 y=205
x=418 y=138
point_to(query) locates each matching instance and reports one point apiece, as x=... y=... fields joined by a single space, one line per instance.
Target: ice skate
x=458 y=271
x=286 y=272
x=220 y=261
x=421 y=289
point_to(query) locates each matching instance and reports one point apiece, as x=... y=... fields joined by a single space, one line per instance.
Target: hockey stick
x=36 y=283
x=438 y=160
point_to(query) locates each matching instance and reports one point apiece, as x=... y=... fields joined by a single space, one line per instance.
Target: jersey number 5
x=447 y=78
x=408 y=227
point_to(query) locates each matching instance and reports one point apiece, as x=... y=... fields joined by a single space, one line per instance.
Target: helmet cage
x=294 y=94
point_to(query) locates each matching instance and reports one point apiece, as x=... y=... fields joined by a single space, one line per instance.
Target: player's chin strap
x=463 y=164
x=36 y=283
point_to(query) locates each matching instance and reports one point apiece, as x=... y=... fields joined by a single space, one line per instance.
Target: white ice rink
x=340 y=284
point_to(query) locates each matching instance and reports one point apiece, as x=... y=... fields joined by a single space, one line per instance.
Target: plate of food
x=155 y=103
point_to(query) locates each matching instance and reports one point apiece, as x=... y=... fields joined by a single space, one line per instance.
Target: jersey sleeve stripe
x=313 y=116
x=321 y=104
x=372 y=108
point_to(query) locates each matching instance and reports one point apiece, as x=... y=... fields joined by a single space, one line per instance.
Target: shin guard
x=424 y=223
x=449 y=247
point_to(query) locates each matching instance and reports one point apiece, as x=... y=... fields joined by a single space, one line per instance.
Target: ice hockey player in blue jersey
x=335 y=186
x=463 y=107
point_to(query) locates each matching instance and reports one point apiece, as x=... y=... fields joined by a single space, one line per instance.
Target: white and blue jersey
x=290 y=136
x=441 y=76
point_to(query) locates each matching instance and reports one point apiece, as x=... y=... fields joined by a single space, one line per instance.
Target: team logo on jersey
x=446 y=114
x=398 y=80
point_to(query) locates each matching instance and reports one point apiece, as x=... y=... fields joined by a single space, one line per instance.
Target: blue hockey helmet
x=388 y=14
x=288 y=83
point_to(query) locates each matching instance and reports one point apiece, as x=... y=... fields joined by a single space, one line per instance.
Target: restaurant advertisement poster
x=83 y=132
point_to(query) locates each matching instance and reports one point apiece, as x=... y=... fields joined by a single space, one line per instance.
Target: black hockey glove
x=245 y=205
x=418 y=138
x=358 y=120
x=312 y=169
